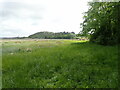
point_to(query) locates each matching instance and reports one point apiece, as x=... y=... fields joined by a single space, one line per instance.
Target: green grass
x=58 y=64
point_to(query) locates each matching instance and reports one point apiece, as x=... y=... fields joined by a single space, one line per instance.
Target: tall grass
x=0 y=64
x=58 y=64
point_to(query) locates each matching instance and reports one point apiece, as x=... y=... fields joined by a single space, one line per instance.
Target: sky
x=19 y=18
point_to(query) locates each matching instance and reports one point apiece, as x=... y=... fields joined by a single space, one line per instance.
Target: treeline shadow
x=80 y=43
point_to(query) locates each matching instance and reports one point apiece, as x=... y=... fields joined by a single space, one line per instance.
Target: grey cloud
x=15 y=31
x=11 y=10
x=12 y=32
x=36 y=17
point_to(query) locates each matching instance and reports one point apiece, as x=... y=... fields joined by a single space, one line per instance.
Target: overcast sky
x=25 y=17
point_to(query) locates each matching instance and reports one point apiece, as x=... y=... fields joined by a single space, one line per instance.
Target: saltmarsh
x=58 y=64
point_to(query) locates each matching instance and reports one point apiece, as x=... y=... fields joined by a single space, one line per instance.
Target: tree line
x=102 y=23
x=52 y=35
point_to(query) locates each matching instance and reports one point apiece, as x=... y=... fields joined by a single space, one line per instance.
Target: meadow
x=53 y=63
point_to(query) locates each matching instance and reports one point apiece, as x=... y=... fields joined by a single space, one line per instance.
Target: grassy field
x=58 y=64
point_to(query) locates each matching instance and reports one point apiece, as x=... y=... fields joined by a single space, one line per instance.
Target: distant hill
x=51 y=35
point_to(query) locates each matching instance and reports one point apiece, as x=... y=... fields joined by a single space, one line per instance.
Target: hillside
x=51 y=35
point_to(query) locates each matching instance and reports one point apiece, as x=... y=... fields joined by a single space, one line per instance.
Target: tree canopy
x=51 y=35
x=101 y=23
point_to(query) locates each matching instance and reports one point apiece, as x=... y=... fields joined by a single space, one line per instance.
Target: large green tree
x=101 y=22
